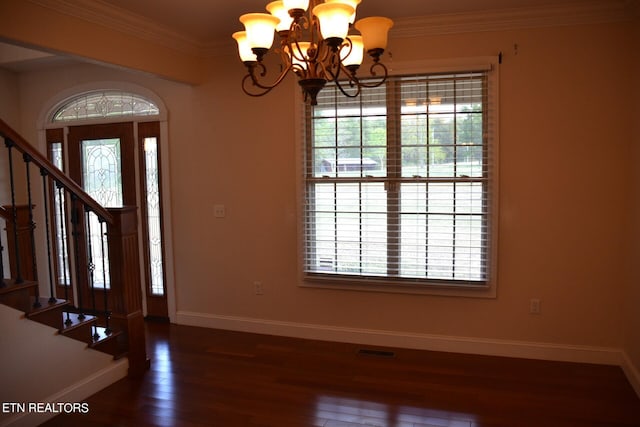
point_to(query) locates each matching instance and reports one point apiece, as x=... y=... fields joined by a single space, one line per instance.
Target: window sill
x=423 y=288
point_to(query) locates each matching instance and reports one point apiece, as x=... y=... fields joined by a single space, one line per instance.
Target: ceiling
x=210 y=21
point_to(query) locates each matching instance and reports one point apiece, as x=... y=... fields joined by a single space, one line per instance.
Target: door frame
x=45 y=122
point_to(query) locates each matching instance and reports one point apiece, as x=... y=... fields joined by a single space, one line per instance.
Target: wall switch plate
x=219 y=211
x=257 y=286
x=534 y=306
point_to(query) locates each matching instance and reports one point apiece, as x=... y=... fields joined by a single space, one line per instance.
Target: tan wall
x=9 y=101
x=32 y=24
x=10 y=113
x=565 y=110
x=564 y=188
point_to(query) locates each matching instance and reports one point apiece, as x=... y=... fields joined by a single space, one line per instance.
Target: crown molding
x=123 y=21
x=561 y=14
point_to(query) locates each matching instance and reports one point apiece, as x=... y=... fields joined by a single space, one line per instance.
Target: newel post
x=126 y=289
x=20 y=252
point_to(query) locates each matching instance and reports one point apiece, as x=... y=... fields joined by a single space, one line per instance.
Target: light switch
x=219 y=211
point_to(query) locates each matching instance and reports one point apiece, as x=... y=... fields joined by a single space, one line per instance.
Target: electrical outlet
x=258 y=289
x=534 y=306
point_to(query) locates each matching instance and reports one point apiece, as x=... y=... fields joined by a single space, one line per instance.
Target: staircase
x=91 y=293
x=62 y=316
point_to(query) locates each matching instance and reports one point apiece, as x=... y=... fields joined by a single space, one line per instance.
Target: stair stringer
x=38 y=365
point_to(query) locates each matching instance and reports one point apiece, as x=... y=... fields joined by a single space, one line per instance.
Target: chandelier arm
x=348 y=44
x=284 y=57
x=255 y=93
x=351 y=84
x=297 y=52
x=323 y=71
x=372 y=71
x=334 y=63
x=324 y=52
x=335 y=77
x=266 y=88
x=302 y=24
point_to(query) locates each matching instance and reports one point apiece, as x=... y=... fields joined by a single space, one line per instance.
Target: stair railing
x=120 y=306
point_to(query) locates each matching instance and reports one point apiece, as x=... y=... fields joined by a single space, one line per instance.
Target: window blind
x=397 y=182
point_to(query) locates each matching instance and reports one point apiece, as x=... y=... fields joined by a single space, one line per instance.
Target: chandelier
x=315 y=45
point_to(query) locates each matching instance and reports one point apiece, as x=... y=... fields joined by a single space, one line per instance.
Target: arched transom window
x=104 y=104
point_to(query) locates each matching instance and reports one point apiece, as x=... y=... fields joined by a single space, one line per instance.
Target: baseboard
x=75 y=393
x=632 y=373
x=455 y=344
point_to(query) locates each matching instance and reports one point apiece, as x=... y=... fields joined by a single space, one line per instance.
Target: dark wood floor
x=204 y=377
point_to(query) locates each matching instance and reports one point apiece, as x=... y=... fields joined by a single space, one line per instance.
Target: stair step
x=48 y=313
x=59 y=314
x=78 y=328
x=111 y=343
x=17 y=295
x=75 y=320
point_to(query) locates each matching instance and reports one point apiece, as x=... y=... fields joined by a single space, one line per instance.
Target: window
x=151 y=207
x=59 y=234
x=105 y=104
x=398 y=184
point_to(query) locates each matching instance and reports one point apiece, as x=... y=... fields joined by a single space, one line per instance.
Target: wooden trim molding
x=122 y=21
x=419 y=341
x=412 y=340
x=559 y=14
x=632 y=372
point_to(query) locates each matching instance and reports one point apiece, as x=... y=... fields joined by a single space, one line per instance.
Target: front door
x=102 y=159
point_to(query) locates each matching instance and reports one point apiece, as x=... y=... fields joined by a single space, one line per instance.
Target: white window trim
x=362 y=284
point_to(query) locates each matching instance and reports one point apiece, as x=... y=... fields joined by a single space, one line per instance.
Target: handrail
x=117 y=249
x=23 y=146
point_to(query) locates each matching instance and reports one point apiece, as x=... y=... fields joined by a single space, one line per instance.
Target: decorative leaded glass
x=102 y=180
x=105 y=104
x=153 y=215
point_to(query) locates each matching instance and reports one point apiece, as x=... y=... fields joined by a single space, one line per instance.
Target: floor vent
x=375 y=353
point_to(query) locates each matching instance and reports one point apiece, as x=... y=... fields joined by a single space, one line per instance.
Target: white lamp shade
x=296 y=4
x=374 y=31
x=243 y=46
x=353 y=3
x=277 y=9
x=356 y=54
x=260 y=29
x=334 y=19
